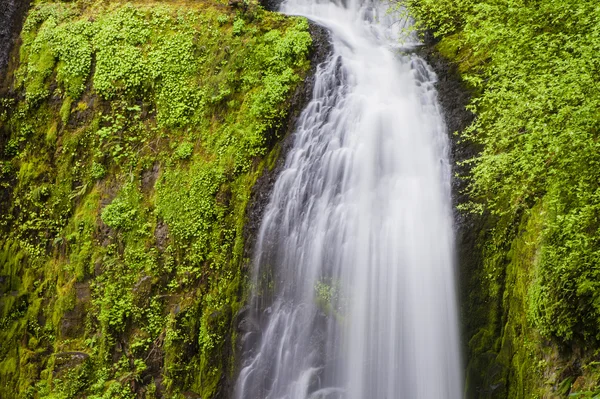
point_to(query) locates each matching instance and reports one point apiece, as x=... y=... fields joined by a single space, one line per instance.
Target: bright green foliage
x=533 y=68
x=125 y=173
x=121 y=213
x=67 y=43
x=441 y=17
x=184 y=150
x=538 y=124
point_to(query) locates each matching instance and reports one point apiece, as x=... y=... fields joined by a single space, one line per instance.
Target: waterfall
x=353 y=286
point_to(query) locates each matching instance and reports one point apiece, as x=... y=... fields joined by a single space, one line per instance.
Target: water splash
x=353 y=287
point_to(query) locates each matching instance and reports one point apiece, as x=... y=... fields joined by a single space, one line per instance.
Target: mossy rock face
x=528 y=192
x=131 y=138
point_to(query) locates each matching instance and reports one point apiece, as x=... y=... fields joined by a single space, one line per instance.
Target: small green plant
x=222 y=19
x=98 y=171
x=184 y=150
x=238 y=26
x=122 y=212
x=65 y=110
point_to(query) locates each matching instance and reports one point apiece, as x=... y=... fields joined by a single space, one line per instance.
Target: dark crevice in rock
x=271 y=5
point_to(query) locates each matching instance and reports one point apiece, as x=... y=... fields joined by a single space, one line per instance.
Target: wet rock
x=248 y=324
x=98 y=267
x=454 y=97
x=249 y=342
x=248 y=328
x=82 y=111
x=155 y=363
x=141 y=291
x=68 y=360
x=72 y=324
x=242 y=314
x=142 y=287
x=161 y=235
x=224 y=196
x=12 y=14
x=237 y=4
x=83 y=292
x=271 y=5
x=149 y=177
x=261 y=191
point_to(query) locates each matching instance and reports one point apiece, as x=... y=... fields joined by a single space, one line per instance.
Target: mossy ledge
x=132 y=136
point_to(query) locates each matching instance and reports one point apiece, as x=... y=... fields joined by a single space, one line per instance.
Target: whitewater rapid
x=353 y=290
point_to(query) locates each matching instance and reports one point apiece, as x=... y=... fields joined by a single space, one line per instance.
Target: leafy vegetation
x=128 y=154
x=533 y=70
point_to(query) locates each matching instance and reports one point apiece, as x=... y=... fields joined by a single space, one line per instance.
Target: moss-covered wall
x=529 y=276
x=131 y=135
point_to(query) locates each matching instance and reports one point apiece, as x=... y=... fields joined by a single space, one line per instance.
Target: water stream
x=353 y=283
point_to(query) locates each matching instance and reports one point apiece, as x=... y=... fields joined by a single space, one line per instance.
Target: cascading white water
x=354 y=292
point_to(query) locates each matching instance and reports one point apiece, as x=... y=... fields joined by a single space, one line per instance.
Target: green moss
x=123 y=236
x=65 y=110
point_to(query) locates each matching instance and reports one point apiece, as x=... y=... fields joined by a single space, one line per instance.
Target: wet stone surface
x=11 y=20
